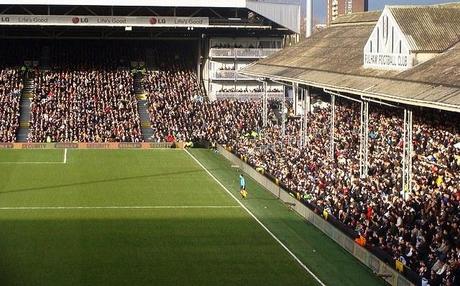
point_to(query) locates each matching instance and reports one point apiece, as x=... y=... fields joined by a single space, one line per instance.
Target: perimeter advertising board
x=111 y=145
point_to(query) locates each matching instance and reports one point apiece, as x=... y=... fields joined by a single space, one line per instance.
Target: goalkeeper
x=243 y=191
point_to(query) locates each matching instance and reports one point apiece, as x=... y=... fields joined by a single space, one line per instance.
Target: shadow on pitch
x=104 y=181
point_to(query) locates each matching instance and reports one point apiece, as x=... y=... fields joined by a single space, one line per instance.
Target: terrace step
x=138 y=88
x=142 y=105
x=24 y=118
x=24 y=108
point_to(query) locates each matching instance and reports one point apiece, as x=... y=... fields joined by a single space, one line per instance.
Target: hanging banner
x=109 y=21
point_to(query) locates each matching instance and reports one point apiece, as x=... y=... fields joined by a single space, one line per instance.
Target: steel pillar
x=264 y=106
x=407 y=154
x=306 y=112
x=332 y=138
x=283 y=114
x=302 y=116
x=364 y=140
x=295 y=96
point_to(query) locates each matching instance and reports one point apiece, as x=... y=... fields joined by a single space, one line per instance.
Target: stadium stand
x=414 y=229
x=87 y=96
x=10 y=95
x=421 y=231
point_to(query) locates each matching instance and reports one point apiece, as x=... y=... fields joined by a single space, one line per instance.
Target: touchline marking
x=32 y=163
x=256 y=219
x=116 y=207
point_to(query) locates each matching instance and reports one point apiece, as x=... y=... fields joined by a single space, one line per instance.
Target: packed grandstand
x=88 y=94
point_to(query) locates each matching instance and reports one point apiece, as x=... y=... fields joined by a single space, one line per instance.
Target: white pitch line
x=116 y=207
x=257 y=220
x=31 y=163
x=64 y=161
x=65 y=156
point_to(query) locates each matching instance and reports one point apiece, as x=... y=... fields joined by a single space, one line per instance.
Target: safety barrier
x=379 y=267
x=111 y=145
x=221 y=95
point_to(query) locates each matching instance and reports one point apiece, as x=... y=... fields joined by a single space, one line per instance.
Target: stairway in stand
x=24 y=118
x=142 y=106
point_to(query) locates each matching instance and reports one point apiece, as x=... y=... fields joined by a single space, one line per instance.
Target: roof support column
x=283 y=114
x=302 y=116
x=407 y=154
x=306 y=113
x=264 y=105
x=295 y=96
x=364 y=140
x=332 y=147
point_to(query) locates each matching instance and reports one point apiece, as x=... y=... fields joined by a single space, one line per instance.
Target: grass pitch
x=151 y=217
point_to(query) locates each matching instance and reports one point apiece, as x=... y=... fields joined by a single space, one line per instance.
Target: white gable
x=387 y=47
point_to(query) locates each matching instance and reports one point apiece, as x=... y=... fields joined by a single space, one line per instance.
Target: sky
x=319 y=6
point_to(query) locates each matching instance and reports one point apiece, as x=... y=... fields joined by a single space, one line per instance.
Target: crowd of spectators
x=84 y=105
x=179 y=109
x=10 y=96
x=87 y=95
x=418 y=228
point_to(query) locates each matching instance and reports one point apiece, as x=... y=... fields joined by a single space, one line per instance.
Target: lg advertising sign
x=111 y=21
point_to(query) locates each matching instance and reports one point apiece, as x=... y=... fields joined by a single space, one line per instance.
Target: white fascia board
x=146 y=3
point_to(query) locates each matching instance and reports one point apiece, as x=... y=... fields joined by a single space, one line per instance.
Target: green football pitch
x=153 y=217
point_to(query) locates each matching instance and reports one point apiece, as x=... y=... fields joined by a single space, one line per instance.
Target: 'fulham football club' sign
x=387 y=46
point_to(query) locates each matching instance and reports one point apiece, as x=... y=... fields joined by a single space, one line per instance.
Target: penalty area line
x=257 y=220
x=113 y=207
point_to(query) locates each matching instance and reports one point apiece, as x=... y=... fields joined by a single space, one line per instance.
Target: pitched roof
x=333 y=59
x=432 y=28
x=338 y=48
x=443 y=69
x=359 y=17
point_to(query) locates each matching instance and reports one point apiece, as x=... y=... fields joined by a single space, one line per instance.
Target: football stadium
x=197 y=142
